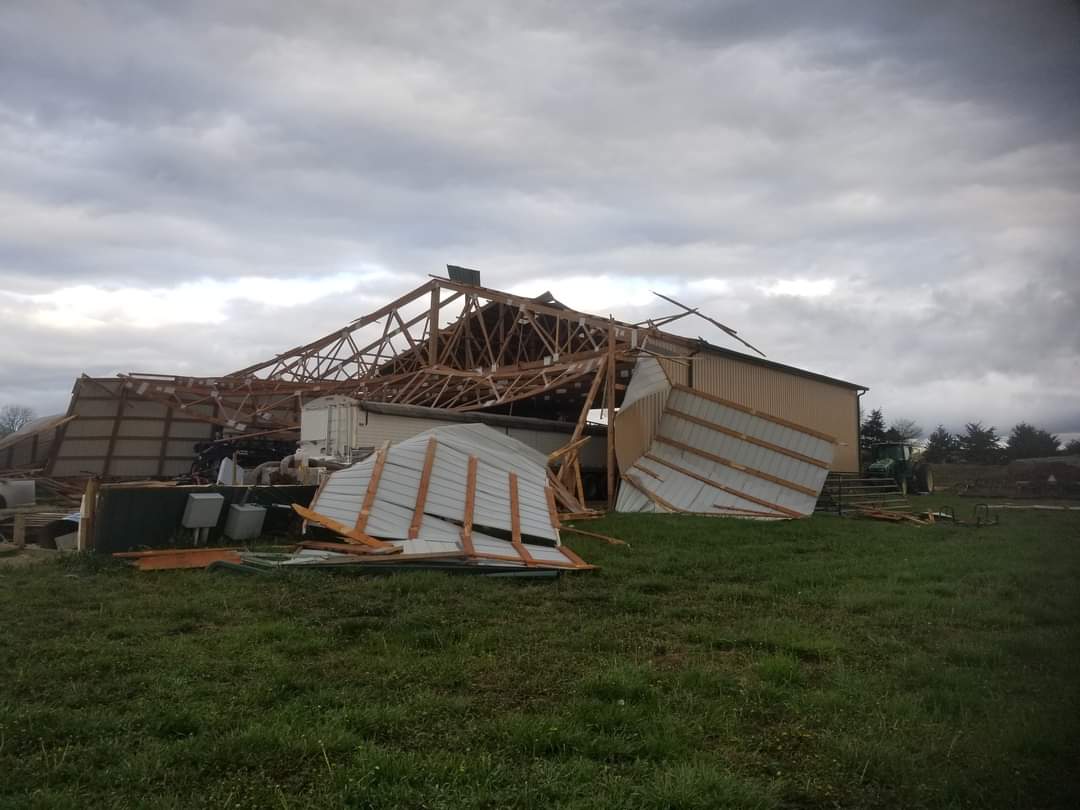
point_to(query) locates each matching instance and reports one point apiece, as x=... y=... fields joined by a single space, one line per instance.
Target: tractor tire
x=926 y=480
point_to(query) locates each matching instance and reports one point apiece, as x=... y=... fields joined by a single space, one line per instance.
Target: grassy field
x=714 y=663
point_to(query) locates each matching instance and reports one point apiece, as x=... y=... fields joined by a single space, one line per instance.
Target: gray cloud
x=922 y=157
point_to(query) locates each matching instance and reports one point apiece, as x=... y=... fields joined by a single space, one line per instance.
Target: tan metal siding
x=139 y=445
x=678 y=367
x=831 y=409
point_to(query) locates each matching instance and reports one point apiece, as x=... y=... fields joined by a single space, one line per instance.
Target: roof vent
x=463 y=275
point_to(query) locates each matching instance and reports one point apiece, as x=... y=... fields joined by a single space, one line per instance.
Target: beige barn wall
x=27 y=454
x=125 y=437
x=822 y=406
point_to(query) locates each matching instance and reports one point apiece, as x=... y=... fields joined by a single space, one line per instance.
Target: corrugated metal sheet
x=639 y=417
x=398 y=492
x=832 y=409
x=674 y=359
x=711 y=457
x=648 y=378
x=393 y=428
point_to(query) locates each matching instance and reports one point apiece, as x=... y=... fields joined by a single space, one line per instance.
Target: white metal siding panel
x=396 y=495
x=737 y=473
x=648 y=378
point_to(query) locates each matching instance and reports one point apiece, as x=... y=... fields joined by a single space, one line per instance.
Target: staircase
x=846 y=493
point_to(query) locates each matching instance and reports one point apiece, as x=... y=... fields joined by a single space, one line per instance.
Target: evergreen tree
x=980 y=445
x=940 y=445
x=1028 y=441
x=1072 y=448
x=873 y=429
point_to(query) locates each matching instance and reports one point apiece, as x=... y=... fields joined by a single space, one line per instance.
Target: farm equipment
x=894 y=460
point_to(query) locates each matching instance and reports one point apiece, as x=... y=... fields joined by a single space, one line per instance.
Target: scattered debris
x=894 y=517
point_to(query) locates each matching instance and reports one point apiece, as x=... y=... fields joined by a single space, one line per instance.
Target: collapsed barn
x=450 y=351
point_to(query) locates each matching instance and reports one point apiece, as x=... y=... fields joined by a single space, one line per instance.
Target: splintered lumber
x=172 y=559
x=343 y=530
x=589 y=514
x=894 y=517
x=611 y=541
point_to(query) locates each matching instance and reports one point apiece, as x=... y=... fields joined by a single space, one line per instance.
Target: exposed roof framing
x=446 y=345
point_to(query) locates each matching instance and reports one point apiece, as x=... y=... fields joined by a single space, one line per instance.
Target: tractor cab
x=891 y=451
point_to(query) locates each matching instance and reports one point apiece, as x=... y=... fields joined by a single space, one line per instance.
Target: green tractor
x=893 y=460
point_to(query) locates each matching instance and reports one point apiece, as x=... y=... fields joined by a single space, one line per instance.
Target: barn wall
x=27 y=454
x=125 y=437
x=817 y=404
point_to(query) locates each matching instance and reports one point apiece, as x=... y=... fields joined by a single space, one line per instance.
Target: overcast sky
x=884 y=192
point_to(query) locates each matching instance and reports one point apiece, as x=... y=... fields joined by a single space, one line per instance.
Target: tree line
x=976 y=444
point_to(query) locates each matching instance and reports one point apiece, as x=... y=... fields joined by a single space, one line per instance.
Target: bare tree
x=905 y=430
x=13 y=417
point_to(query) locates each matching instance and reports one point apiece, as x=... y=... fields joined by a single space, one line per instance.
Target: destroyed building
x=451 y=351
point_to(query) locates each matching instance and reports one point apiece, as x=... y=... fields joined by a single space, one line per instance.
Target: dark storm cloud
x=920 y=158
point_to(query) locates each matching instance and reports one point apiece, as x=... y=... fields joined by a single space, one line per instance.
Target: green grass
x=713 y=663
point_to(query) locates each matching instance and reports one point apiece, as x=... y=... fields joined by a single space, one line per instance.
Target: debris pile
x=463 y=495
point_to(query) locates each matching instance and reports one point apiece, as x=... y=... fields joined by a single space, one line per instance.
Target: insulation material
x=712 y=456
x=462 y=491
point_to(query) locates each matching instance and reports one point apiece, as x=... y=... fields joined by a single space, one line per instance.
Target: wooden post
x=433 y=328
x=19 y=529
x=609 y=399
x=164 y=451
x=121 y=402
x=89 y=516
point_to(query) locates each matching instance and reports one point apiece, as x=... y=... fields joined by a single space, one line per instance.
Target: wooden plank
x=697 y=420
x=343 y=530
x=575 y=559
x=164 y=442
x=515 y=522
x=187 y=558
x=697 y=451
x=433 y=328
x=470 y=504
x=760 y=414
x=422 y=490
x=373 y=485
x=579 y=426
x=159 y=552
x=611 y=541
x=120 y=403
x=552 y=511
x=667 y=506
x=730 y=490
x=88 y=520
x=567 y=448
x=543 y=564
x=341 y=548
